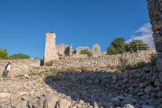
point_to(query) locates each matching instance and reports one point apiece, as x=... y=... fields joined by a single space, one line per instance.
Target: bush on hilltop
x=19 y=56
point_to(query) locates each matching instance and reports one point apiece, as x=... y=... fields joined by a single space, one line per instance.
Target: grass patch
x=51 y=71
x=19 y=76
x=50 y=63
x=76 y=68
x=54 y=71
x=33 y=74
x=5 y=77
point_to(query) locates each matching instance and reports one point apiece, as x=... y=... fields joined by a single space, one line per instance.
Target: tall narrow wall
x=155 y=14
x=50 y=47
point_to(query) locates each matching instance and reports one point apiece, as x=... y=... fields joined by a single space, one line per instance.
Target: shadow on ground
x=89 y=86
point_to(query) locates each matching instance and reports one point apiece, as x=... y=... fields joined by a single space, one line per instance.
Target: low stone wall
x=26 y=66
x=107 y=60
x=20 y=66
x=141 y=87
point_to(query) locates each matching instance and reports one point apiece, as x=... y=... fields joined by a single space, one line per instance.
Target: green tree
x=3 y=54
x=19 y=56
x=128 y=47
x=117 y=46
x=136 y=45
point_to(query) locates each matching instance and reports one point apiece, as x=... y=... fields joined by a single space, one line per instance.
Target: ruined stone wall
x=26 y=66
x=155 y=13
x=79 y=49
x=78 y=56
x=50 y=47
x=142 y=87
x=107 y=60
x=61 y=48
x=20 y=66
x=96 y=50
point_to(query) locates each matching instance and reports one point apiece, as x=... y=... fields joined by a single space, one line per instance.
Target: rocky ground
x=88 y=89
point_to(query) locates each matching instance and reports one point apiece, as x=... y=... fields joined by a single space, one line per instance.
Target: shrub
x=3 y=54
x=123 y=64
x=153 y=60
x=86 y=52
x=138 y=65
x=54 y=71
x=50 y=63
x=19 y=56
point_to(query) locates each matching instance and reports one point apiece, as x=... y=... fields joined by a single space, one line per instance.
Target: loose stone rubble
x=88 y=89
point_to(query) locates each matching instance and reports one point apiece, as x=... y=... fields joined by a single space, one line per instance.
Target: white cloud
x=146 y=28
x=144 y=33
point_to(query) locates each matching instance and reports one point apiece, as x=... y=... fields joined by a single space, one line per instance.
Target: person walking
x=7 y=69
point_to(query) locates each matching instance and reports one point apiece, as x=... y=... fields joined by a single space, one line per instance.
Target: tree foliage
x=19 y=56
x=3 y=54
x=136 y=45
x=117 y=46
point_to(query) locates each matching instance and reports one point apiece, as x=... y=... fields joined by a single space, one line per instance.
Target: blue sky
x=24 y=23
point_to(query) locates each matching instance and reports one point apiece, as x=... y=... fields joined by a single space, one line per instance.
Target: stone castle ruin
x=138 y=88
x=54 y=52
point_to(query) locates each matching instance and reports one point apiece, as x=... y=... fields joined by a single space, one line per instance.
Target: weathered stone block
x=157 y=83
x=160 y=77
x=159 y=64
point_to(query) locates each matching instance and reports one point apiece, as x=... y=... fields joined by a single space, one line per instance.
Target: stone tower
x=50 y=47
x=155 y=13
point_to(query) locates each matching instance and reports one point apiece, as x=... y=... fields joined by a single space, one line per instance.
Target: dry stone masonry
x=20 y=66
x=64 y=50
x=139 y=88
x=26 y=66
x=96 y=50
x=155 y=13
x=102 y=61
x=50 y=47
x=54 y=52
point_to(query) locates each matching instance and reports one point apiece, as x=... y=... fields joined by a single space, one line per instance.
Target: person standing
x=7 y=69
